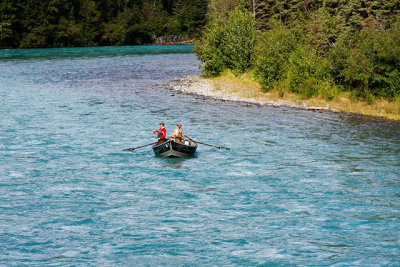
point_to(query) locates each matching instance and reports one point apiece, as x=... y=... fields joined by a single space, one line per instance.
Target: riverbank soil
x=244 y=88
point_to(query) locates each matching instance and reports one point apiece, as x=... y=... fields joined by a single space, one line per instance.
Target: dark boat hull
x=172 y=149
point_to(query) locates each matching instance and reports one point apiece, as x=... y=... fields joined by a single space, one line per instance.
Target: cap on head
x=162 y=123
x=179 y=124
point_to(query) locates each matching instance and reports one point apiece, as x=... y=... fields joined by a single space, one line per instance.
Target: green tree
x=238 y=40
x=47 y=23
x=272 y=54
x=189 y=17
x=7 y=16
x=369 y=61
x=209 y=51
x=220 y=9
x=228 y=46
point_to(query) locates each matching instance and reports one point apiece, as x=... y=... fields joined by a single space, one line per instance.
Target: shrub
x=328 y=89
x=287 y=57
x=238 y=40
x=208 y=50
x=227 y=46
x=272 y=53
x=369 y=61
x=310 y=74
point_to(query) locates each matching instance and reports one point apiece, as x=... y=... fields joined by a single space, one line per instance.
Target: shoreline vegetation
x=333 y=55
x=229 y=87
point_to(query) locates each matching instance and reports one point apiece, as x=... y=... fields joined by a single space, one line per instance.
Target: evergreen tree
x=55 y=23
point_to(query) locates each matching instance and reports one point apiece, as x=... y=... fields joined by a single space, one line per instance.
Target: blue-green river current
x=297 y=188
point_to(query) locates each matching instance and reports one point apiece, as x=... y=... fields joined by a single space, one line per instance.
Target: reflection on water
x=174 y=163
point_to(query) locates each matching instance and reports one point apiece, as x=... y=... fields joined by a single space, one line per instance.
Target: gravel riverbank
x=207 y=87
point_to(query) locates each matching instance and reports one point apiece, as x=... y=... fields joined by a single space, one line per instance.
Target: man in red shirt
x=162 y=132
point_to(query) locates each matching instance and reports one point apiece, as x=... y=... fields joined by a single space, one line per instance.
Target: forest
x=65 y=23
x=313 y=48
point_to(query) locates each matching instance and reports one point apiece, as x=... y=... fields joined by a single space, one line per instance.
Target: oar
x=133 y=148
x=219 y=147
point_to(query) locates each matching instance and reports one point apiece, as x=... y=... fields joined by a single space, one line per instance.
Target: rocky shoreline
x=205 y=87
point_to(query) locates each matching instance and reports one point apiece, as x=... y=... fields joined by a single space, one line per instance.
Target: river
x=297 y=187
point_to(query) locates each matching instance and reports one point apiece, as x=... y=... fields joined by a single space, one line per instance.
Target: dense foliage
x=228 y=44
x=60 y=23
x=312 y=47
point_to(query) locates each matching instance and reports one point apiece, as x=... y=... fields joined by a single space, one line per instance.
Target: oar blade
x=133 y=148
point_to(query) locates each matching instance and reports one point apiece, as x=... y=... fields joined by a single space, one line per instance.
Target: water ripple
x=296 y=188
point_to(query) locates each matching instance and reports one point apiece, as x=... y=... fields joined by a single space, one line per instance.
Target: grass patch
x=246 y=88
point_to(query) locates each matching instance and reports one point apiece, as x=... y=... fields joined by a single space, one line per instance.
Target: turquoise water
x=296 y=188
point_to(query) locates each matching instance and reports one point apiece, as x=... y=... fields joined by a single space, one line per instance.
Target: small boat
x=173 y=149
